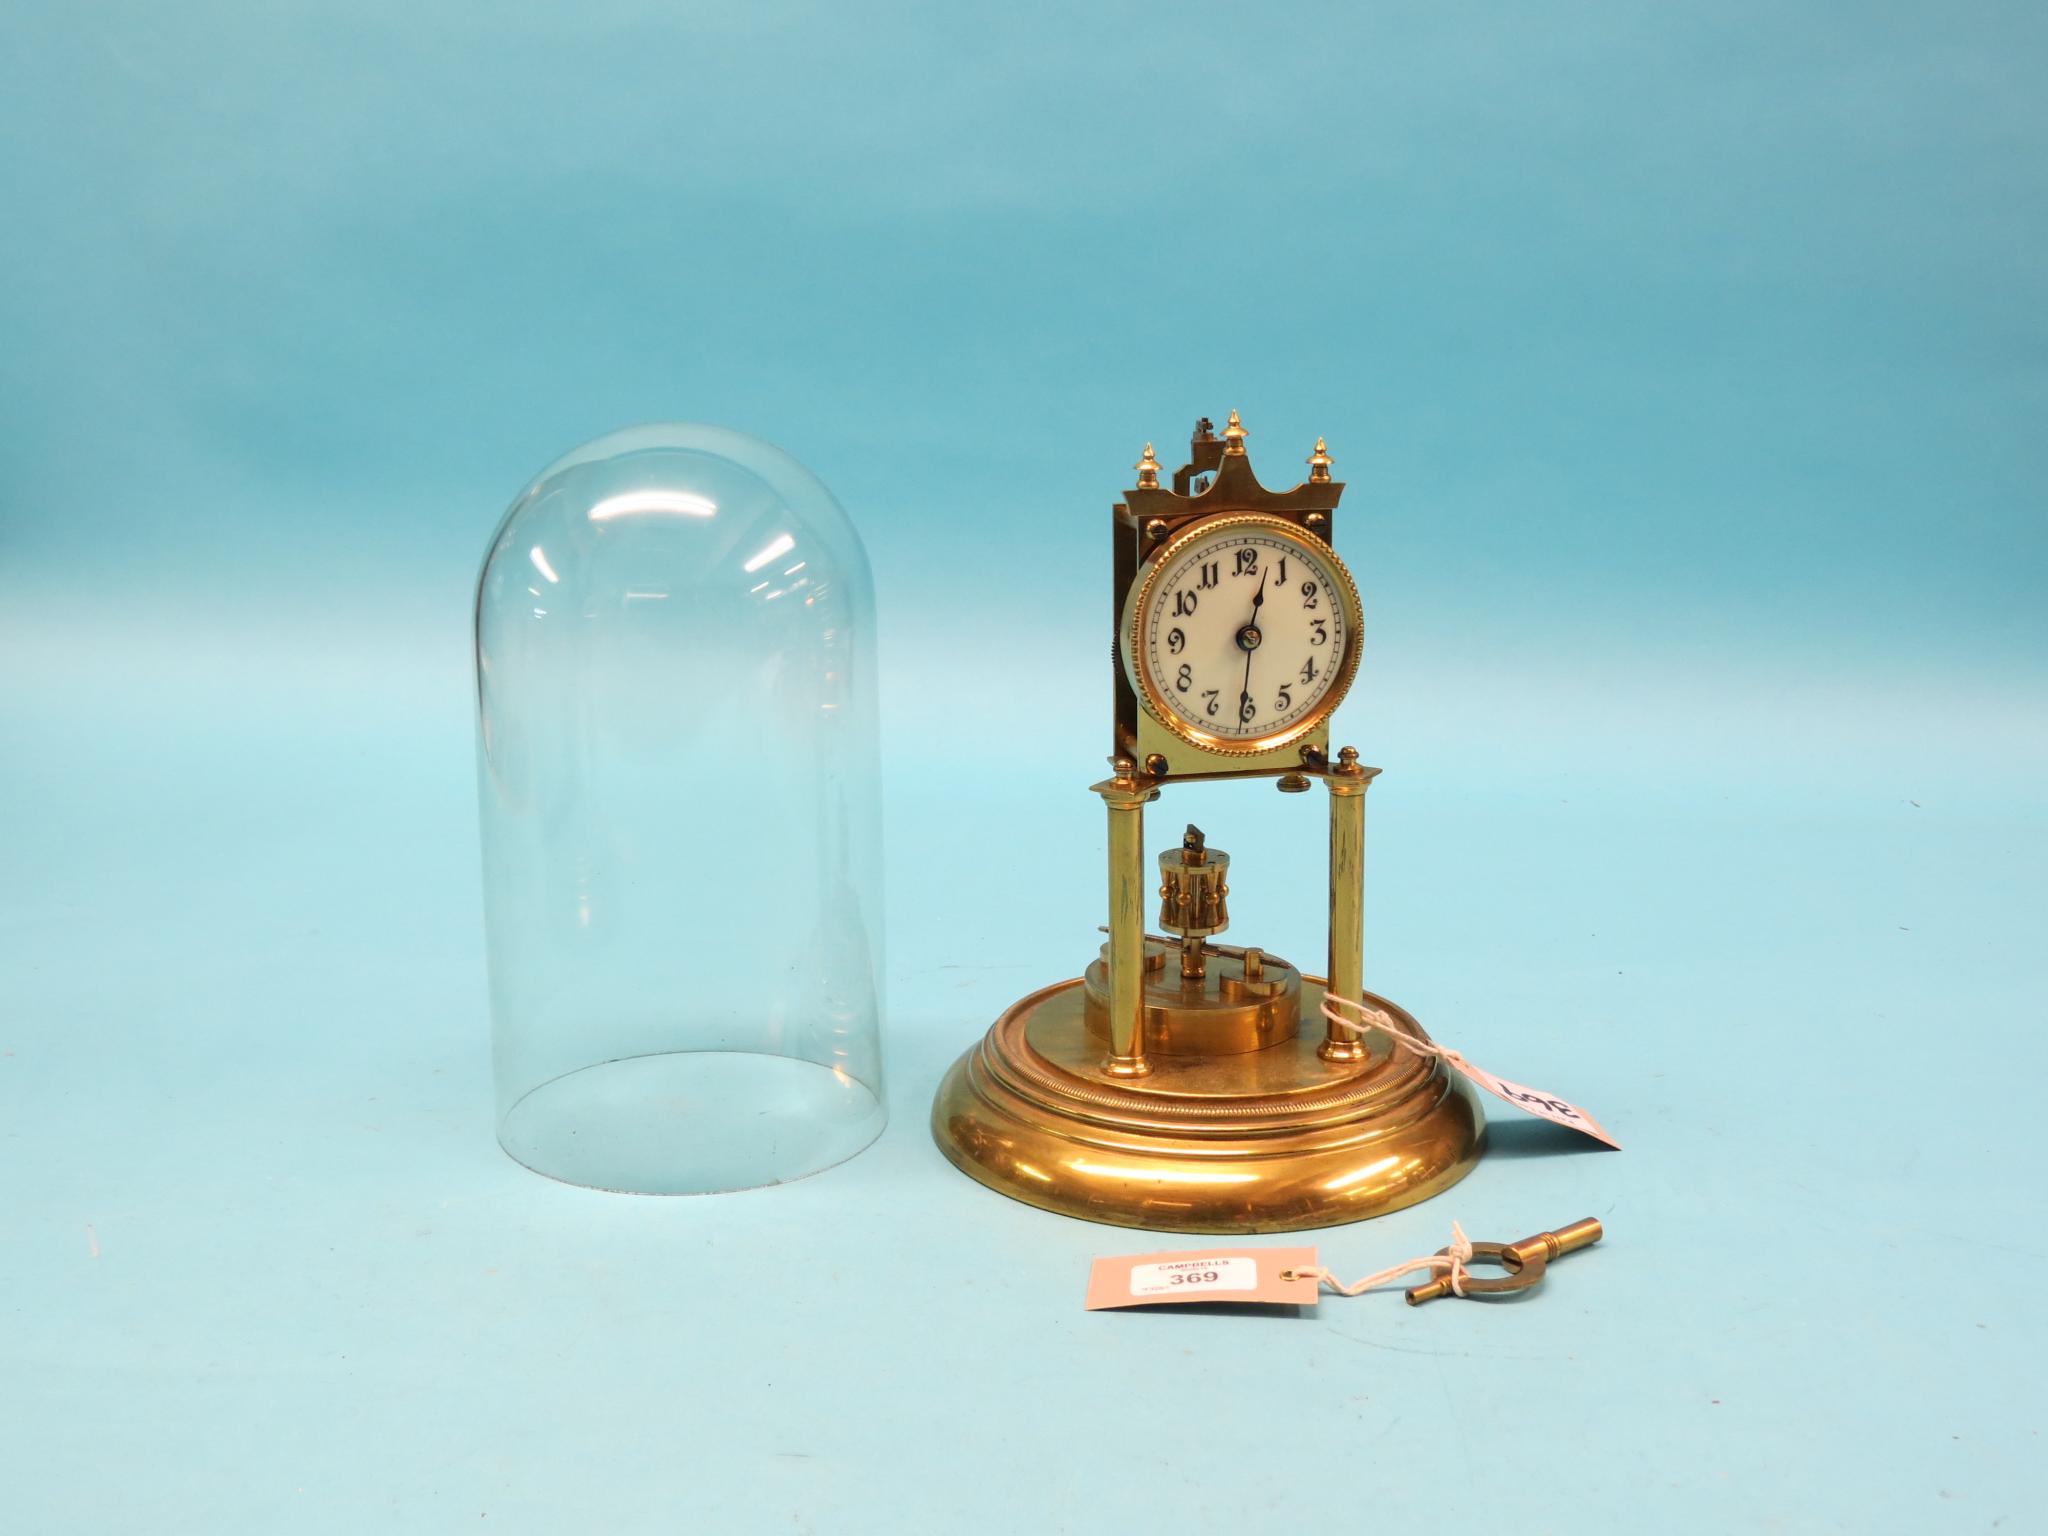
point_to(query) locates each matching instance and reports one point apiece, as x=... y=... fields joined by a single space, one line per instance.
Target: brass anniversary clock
x=1181 y=1083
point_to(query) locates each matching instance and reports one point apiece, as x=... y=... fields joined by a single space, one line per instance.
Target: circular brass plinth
x=1273 y=1140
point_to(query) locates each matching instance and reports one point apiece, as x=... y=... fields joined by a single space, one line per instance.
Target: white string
x=1381 y=1020
x=1459 y=1253
x=1452 y=1259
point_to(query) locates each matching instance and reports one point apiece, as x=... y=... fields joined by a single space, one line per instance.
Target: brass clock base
x=1272 y=1140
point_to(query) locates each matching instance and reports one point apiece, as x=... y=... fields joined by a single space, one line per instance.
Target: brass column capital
x=1348 y=776
x=1127 y=789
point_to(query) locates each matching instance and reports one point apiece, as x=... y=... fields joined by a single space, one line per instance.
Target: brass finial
x=1234 y=435
x=1319 y=462
x=1148 y=471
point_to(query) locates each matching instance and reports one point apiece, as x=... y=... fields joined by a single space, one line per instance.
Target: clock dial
x=1244 y=634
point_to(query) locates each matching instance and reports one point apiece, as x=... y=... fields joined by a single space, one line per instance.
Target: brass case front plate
x=1149 y=739
x=1199 y=751
x=1275 y=1140
x=1141 y=525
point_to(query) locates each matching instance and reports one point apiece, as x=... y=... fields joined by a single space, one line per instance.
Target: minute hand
x=1244 y=697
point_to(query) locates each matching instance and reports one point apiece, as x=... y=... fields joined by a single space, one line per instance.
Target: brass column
x=1125 y=796
x=1347 y=782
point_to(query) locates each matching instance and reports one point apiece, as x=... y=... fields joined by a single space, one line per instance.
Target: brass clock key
x=1171 y=1085
x=1526 y=1263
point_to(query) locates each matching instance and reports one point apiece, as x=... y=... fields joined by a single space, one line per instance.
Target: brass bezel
x=1149 y=696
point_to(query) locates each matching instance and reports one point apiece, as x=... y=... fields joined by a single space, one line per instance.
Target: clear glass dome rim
x=875 y=1123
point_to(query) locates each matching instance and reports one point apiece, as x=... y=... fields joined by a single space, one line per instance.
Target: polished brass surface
x=1242 y=1002
x=1347 y=783
x=1190 y=763
x=1526 y=1263
x=1157 y=707
x=1125 y=795
x=1171 y=1086
x=1583 y=1233
x=1217 y=480
x=1274 y=1140
x=1193 y=891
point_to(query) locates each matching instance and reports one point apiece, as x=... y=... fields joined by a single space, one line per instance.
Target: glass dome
x=677 y=769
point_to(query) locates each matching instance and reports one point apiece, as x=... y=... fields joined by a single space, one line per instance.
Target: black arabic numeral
x=1245 y=710
x=1176 y=640
x=1285 y=702
x=1322 y=634
x=1184 y=604
x=1247 y=563
x=1308 y=595
x=1186 y=680
x=1308 y=670
x=1212 y=572
x=1210 y=695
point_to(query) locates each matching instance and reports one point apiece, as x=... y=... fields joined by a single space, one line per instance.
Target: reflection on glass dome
x=680 y=816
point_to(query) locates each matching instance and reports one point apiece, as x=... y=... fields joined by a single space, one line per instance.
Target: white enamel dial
x=1243 y=633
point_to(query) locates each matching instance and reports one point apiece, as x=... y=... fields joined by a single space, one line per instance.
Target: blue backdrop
x=1687 y=366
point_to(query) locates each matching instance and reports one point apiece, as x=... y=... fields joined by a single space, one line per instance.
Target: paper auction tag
x=1251 y=1275
x=1555 y=1110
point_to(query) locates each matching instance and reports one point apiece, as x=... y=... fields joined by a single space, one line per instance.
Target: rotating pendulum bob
x=1171 y=1086
x=1201 y=999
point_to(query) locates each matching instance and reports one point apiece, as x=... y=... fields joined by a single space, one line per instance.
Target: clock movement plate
x=1273 y=1140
